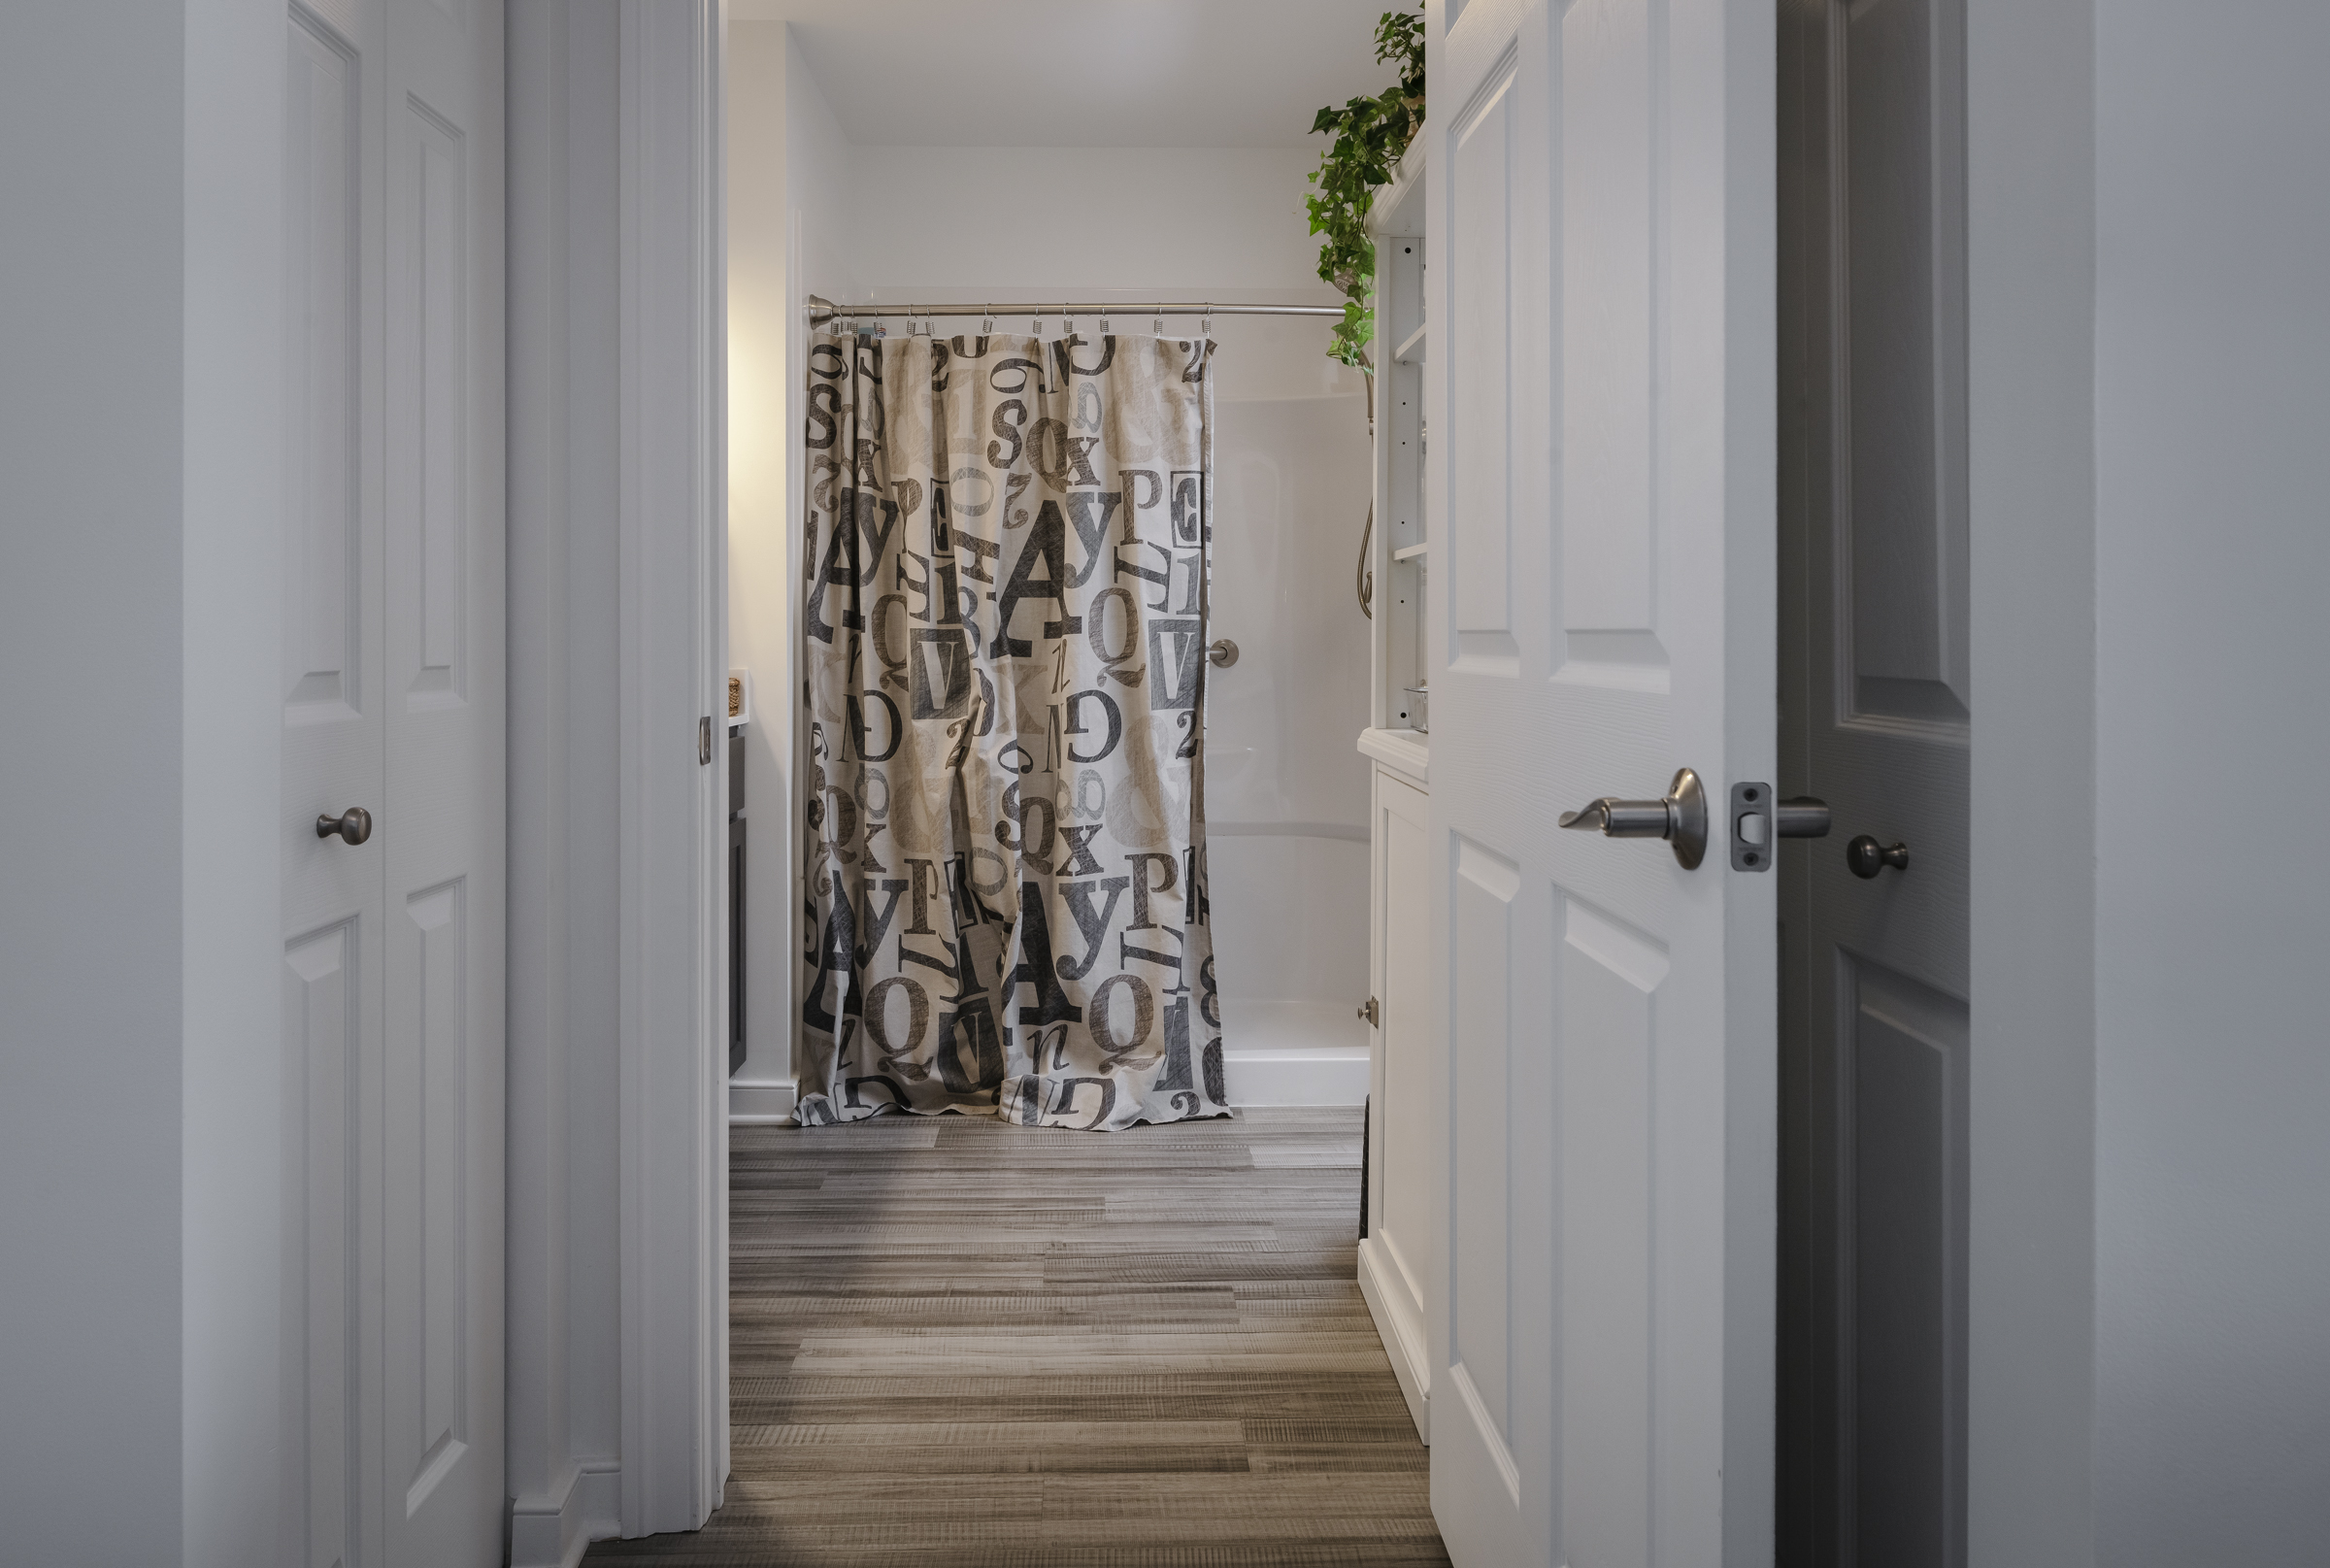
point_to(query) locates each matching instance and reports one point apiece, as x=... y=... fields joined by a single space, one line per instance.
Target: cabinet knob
x=1373 y=1014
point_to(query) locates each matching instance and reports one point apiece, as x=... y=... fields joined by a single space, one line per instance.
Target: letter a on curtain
x=1006 y=573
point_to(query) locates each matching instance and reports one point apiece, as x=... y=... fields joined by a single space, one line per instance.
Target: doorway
x=1875 y=720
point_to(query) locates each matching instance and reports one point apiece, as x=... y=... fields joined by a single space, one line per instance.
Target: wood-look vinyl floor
x=959 y=1342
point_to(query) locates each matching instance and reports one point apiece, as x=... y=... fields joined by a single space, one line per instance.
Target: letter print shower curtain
x=1006 y=633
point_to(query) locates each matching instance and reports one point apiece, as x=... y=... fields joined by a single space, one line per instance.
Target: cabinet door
x=1399 y=1260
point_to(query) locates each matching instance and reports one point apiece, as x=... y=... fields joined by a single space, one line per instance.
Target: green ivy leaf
x=1370 y=136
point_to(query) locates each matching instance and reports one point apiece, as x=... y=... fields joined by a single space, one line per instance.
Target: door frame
x=618 y=1144
x=2031 y=206
x=674 y=858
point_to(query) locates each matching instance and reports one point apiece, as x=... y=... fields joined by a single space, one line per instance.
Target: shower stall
x=1286 y=796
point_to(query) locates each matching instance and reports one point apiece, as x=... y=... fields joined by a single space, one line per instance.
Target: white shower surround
x=1286 y=794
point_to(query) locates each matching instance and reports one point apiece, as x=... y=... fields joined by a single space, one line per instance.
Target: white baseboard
x=555 y=1533
x=771 y=1101
x=1400 y=1325
x=1287 y=1053
x=1330 y=1076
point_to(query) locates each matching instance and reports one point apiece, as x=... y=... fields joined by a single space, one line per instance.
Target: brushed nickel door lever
x=1681 y=819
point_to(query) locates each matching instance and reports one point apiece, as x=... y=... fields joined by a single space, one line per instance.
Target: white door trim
x=672 y=529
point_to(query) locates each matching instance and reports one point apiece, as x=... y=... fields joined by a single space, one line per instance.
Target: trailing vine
x=1370 y=135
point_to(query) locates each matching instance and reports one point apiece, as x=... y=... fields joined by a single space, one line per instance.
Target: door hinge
x=704 y=740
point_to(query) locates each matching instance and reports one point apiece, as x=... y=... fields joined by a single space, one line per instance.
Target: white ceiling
x=1084 y=73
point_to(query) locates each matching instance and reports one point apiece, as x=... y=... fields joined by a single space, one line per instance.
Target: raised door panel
x=1484 y=1176
x=443 y=658
x=1610 y=979
x=1904 y=1090
x=323 y=538
x=324 y=1017
x=426 y=1144
x=1484 y=164
x=1902 y=540
x=1608 y=239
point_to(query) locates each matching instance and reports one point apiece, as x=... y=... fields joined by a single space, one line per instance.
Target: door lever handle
x=1681 y=819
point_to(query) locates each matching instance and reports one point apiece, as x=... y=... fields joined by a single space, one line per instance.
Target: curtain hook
x=1035 y=324
x=1205 y=327
x=1067 y=321
x=1156 y=322
x=987 y=322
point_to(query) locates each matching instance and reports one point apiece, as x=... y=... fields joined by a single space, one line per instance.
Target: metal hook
x=987 y=322
x=1067 y=321
x=1156 y=322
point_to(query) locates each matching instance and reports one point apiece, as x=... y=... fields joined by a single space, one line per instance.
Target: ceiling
x=1082 y=73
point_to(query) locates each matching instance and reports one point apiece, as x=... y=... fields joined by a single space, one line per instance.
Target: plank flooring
x=959 y=1341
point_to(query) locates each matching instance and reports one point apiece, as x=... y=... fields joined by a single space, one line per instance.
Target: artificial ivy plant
x=1370 y=135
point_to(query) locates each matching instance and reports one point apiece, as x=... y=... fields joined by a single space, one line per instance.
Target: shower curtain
x=1006 y=557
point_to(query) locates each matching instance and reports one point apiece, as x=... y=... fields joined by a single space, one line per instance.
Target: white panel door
x=1603 y=456
x=392 y=703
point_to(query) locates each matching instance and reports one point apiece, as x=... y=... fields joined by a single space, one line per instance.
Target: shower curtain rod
x=822 y=311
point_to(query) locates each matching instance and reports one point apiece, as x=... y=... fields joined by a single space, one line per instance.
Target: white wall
x=2031 y=356
x=788 y=174
x=140 y=991
x=2152 y=376
x=2212 y=561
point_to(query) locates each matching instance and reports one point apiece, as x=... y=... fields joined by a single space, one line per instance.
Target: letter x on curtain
x=1005 y=617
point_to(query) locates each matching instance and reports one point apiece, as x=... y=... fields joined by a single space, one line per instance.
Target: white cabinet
x=1402 y=1256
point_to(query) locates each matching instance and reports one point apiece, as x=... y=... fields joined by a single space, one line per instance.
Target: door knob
x=354 y=825
x=1223 y=653
x=1681 y=819
x=1867 y=857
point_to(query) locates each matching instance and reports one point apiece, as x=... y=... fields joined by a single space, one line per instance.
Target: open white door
x=1602 y=419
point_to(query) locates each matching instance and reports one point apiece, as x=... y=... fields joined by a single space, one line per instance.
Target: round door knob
x=1223 y=653
x=353 y=826
x=1867 y=857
